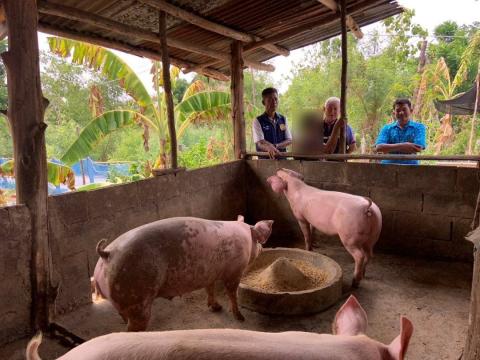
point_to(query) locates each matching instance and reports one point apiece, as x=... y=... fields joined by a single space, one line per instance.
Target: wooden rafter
x=353 y=26
x=212 y=26
x=71 y=13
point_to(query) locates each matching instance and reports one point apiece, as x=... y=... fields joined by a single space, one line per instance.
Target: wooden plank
x=85 y=17
x=167 y=87
x=371 y=156
x=161 y=172
x=210 y=25
x=343 y=84
x=26 y=106
x=97 y=40
x=331 y=4
x=236 y=69
x=351 y=23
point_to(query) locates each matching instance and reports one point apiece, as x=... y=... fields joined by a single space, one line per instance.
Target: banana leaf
x=57 y=173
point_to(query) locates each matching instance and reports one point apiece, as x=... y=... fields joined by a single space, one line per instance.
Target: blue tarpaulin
x=95 y=171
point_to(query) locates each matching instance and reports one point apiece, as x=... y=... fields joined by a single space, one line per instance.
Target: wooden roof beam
x=294 y=31
x=353 y=26
x=71 y=13
x=211 y=26
x=97 y=40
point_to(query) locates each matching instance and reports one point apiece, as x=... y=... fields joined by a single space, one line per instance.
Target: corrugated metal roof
x=264 y=18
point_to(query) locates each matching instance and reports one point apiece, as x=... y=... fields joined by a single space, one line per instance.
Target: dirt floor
x=434 y=295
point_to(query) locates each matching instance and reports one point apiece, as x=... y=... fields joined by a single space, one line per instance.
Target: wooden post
x=343 y=90
x=236 y=69
x=472 y=344
x=167 y=87
x=474 y=117
x=26 y=106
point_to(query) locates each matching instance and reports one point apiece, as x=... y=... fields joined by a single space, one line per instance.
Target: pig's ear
x=293 y=173
x=277 y=183
x=240 y=218
x=261 y=231
x=398 y=348
x=351 y=319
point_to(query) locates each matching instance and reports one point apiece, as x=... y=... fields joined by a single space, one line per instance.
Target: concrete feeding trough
x=290 y=282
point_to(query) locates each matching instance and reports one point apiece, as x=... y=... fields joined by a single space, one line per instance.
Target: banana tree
x=439 y=80
x=197 y=103
x=57 y=173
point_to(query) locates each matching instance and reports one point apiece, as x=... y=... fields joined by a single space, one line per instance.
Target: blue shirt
x=412 y=132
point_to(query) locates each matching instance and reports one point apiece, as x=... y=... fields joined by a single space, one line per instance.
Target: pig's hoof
x=216 y=307
x=239 y=316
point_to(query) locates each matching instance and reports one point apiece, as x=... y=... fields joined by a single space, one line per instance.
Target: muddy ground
x=434 y=295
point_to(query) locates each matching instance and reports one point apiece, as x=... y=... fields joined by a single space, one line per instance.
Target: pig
x=174 y=256
x=355 y=219
x=349 y=342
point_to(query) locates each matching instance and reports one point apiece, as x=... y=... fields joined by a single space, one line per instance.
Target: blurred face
x=402 y=112
x=332 y=111
x=271 y=102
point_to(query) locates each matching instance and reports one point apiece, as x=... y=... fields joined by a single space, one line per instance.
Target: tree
x=149 y=111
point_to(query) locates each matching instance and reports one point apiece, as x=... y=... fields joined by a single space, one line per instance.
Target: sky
x=428 y=14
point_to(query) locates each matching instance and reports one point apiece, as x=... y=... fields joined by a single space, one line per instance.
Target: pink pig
x=355 y=219
x=171 y=257
x=348 y=343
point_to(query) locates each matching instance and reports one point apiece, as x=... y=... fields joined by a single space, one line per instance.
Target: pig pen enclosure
x=422 y=265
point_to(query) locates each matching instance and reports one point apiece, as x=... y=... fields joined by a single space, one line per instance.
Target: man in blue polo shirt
x=404 y=136
x=270 y=130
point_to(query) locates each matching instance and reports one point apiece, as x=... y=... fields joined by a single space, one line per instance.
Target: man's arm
x=351 y=148
x=284 y=144
x=332 y=141
x=288 y=137
x=405 y=148
x=350 y=140
x=260 y=141
x=266 y=146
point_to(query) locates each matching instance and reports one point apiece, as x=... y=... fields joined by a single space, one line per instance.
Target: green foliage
x=97 y=129
x=451 y=43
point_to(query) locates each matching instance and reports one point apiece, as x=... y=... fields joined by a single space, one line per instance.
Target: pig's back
x=177 y=255
x=216 y=344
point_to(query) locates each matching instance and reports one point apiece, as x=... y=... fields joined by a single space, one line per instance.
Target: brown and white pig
x=348 y=343
x=355 y=219
x=174 y=256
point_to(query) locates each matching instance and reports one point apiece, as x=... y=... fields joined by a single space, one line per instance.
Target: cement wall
x=15 y=290
x=79 y=220
x=427 y=210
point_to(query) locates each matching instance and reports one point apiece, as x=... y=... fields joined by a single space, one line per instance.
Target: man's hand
x=410 y=148
x=268 y=147
x=272 y=151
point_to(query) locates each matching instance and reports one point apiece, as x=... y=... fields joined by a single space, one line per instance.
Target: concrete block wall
x=79 y=220
x=15 y=289
x=427 y=210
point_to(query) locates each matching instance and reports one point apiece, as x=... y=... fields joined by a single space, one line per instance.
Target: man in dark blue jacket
x=270 y=130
